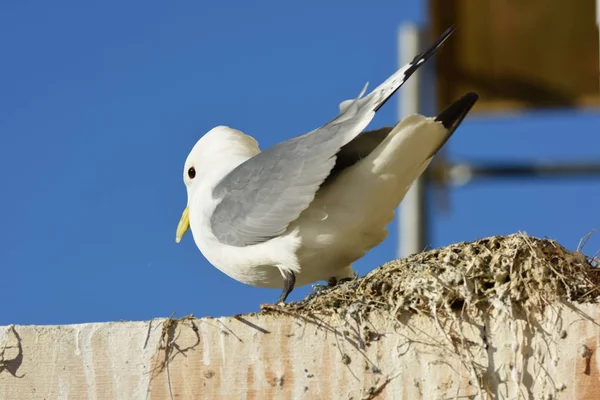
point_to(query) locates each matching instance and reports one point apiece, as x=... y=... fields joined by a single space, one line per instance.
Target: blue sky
x=101 y=103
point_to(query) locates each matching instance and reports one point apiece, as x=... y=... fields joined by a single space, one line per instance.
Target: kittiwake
x=305 y=209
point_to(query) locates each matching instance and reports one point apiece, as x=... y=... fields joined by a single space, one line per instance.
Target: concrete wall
x=288 y=357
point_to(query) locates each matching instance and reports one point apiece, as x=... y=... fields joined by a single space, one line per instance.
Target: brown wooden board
x=518 y=54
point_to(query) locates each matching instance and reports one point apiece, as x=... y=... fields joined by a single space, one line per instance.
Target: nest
x=496 y=271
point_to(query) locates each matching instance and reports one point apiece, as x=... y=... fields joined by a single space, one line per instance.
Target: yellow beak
x=183 y=226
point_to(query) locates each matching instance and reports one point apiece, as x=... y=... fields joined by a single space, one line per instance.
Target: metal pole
x=412 y=223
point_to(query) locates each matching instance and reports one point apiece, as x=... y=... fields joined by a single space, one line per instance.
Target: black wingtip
x=419 y=59
x=454 y=114
x=433 y=48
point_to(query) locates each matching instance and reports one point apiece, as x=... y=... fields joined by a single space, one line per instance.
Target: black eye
x=192 y=172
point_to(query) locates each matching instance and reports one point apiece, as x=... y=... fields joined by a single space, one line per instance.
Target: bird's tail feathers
x=416 y=139
x=407 y=145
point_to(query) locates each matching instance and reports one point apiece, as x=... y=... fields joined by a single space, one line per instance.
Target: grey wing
x=264 y=194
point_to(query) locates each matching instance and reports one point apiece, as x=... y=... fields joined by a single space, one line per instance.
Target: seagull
x=305 y=209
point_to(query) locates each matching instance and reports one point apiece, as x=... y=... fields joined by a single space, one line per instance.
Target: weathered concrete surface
x=290 y=357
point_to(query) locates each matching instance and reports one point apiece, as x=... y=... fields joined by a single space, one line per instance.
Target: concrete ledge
x=355 y=350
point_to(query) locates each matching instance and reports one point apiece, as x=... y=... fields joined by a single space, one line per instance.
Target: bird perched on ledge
x=305 y=209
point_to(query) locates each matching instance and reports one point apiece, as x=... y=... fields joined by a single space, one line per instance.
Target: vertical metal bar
x=412 y=214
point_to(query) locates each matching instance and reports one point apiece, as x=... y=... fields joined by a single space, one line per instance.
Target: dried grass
x=498 y=271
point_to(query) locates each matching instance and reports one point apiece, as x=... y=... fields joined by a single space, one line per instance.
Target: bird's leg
x=289 y=281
